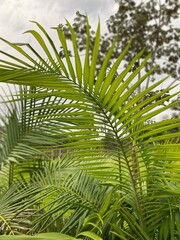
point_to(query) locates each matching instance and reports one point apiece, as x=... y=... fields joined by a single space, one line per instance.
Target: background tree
x=149 y=24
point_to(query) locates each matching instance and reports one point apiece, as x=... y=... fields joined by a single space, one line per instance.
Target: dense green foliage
x=79 y=152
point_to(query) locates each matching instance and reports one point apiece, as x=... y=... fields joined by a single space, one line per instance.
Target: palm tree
x=83 y=145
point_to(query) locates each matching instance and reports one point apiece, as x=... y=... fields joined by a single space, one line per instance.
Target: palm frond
x=103 y=122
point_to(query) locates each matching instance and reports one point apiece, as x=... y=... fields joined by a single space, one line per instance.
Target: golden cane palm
x=115 y=173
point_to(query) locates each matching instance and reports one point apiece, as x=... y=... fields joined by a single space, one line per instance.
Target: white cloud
x=16 y=14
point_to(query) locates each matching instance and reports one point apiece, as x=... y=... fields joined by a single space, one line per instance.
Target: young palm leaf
x=102 y=120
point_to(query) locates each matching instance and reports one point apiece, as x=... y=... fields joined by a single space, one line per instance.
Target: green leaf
x=43 y=45
x=103 y=70
x=65 y=49
x=76 y=54
x=86 y=61
x=94 y=59
x=90 y=235
x=110 y=76
x=43 y=236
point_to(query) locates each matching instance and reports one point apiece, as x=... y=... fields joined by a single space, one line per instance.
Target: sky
x=16 y=17
x=16 y=14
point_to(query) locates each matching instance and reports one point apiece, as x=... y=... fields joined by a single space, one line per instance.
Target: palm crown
x=79 y=153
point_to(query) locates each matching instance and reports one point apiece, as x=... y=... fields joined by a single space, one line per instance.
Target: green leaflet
x=42 y=236
x=77 y=57
x=103 y=70
x=91 y=235
x=94 y=60
x=86 y=61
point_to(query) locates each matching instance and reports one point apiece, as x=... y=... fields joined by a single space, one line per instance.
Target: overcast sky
x=16 y=14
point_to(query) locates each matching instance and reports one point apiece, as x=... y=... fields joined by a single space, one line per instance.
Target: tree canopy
x=149 y=24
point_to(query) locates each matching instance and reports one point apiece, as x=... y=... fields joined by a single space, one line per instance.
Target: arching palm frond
x=104 y=123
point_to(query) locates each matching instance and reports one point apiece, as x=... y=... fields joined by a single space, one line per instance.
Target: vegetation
x=150 y=24
x=79 y=152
